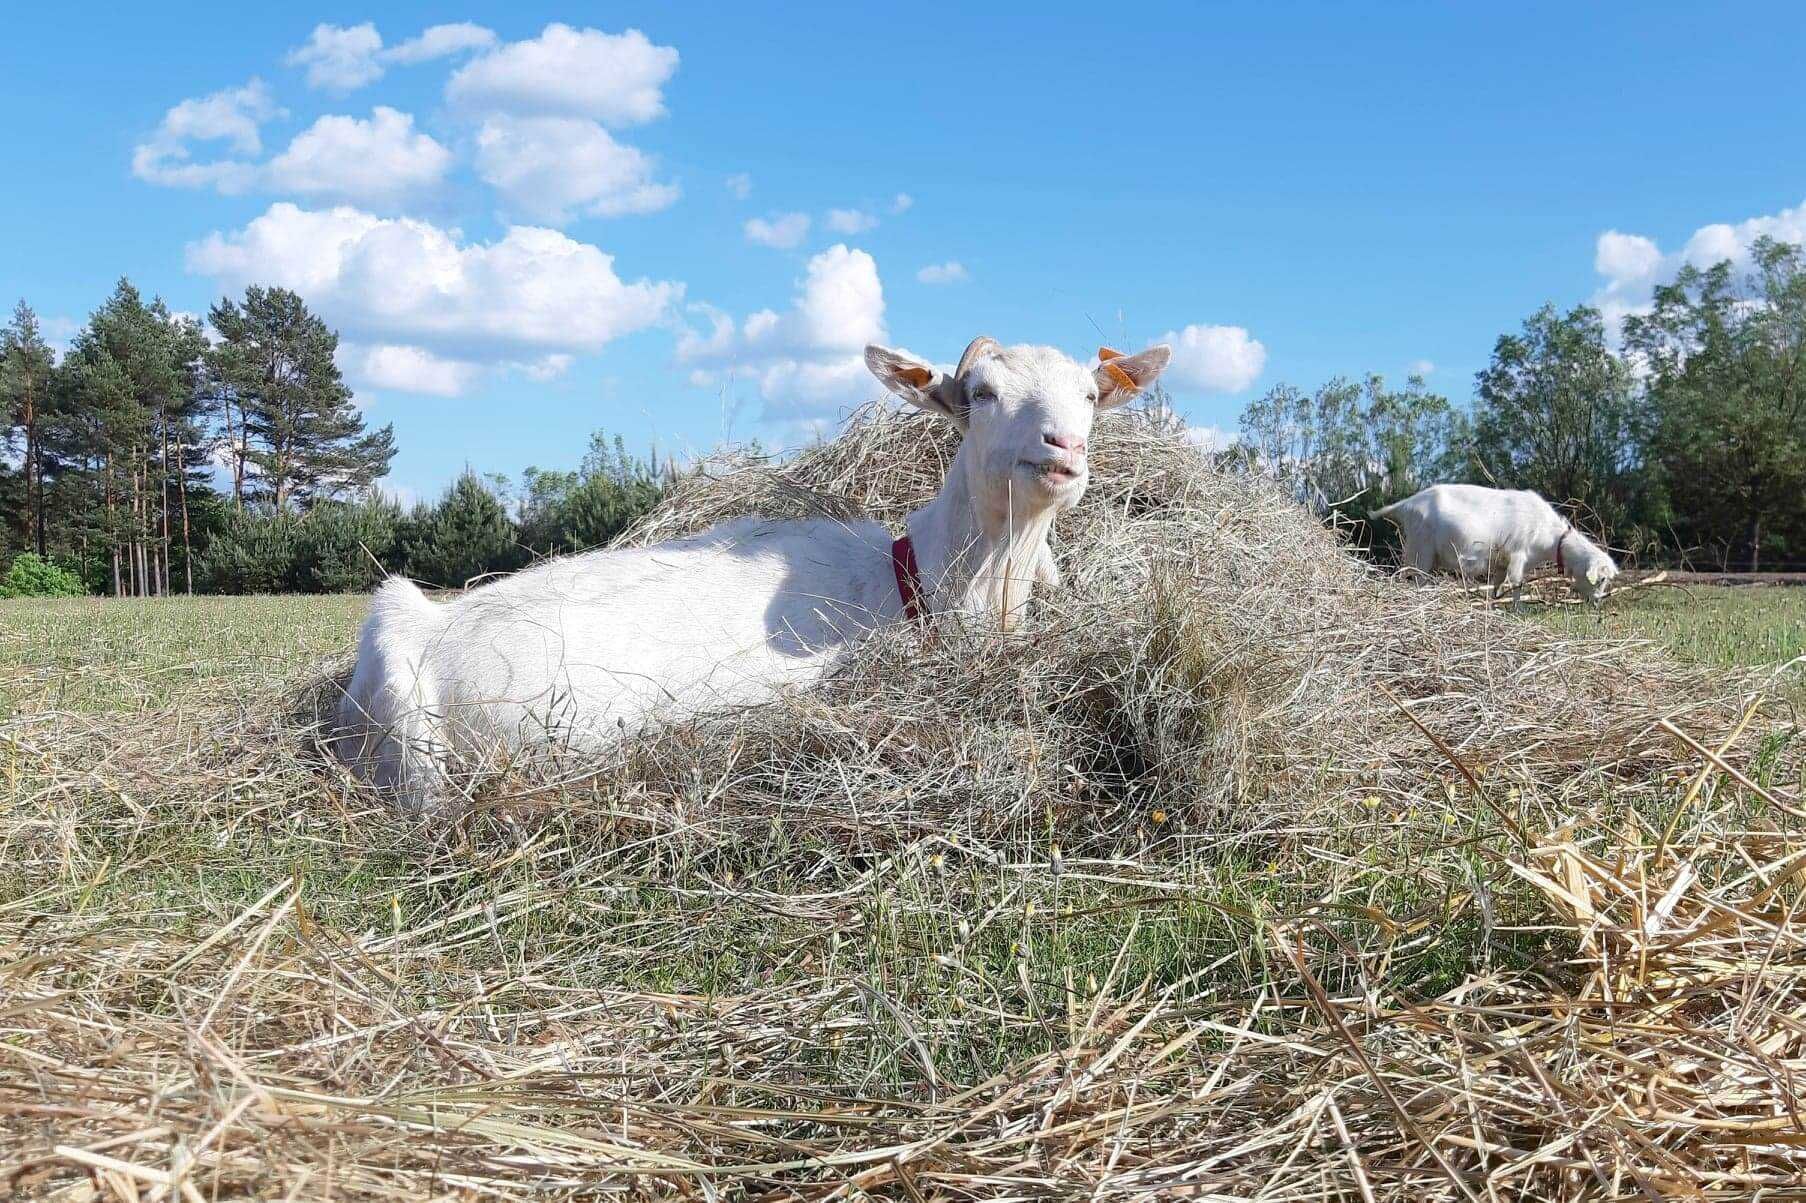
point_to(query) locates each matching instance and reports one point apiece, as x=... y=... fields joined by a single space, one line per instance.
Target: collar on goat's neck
x=976 y=554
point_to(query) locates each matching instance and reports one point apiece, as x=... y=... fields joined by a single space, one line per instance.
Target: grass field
x=330 y=1000
x=98 y=654
x=1729 y=626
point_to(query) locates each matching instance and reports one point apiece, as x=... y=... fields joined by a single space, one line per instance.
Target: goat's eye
x=1091 y=396
x=981 y=396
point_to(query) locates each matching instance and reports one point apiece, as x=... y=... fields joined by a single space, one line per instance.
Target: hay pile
x=1240 y=872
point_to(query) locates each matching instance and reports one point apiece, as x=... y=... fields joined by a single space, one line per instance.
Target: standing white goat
x=1496 y=535
x=575 y=649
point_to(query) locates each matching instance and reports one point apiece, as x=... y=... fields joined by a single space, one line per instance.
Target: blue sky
x=529 y=222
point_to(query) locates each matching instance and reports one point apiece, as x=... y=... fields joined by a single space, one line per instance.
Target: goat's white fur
x=1496 y=536
x=576 y=649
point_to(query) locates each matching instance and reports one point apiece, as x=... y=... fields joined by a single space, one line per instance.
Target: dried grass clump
x=1213 y=654
x=1241 y=872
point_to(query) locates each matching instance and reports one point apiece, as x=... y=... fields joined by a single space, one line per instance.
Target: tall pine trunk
x=163 y=544
x=182 y=492
x=34 y=473
x=112 y=532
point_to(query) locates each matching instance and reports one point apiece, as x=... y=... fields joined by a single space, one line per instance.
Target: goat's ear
x=1120 y=377
x=914 y=380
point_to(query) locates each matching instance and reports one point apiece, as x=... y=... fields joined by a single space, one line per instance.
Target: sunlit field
x=1257 y=877
x=1729 y=626
x=102 y=654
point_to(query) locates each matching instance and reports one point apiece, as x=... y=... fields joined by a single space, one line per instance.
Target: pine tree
x=292 y=432
x=468 y=534
x=130 y=417
x=26 y=367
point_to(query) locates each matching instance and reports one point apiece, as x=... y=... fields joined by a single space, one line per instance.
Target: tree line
x=1685 y=441
x=154 y=457
x=151 y=458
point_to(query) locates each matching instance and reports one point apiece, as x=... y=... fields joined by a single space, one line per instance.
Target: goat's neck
x=976 y=554
x=1578 y=553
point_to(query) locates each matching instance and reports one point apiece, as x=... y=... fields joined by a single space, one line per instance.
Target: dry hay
x=1240 y=873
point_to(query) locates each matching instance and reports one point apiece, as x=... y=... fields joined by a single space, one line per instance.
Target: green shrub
x=335 y=547
x=251 y=553
x=343 y=547
x=467 y=534
x=32 y=576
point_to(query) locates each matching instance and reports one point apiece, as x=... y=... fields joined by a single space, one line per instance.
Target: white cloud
x=849 y=221
x=781 y=230
x=233 y=116
x=405 y=496
x=1633 y=265
x=1420 y=367
x=441 y=41
x=739 y=185
x=339 y=58
x=1213 y=359
x=808 y=360
x=1211 y=438
x=378 y=161
x=548 y=167
x=406 y=369
x=409 y=369
x=343 y=58
x=617 y=79
x=901 y=203
x=546 y=367
x=59 y=331
x=407 y=283
x=950 y=272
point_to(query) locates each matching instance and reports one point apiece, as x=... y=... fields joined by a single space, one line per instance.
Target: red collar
x=909 y=578
x=1559 y=566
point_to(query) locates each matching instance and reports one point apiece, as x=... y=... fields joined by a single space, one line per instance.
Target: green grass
x=1724 y=626
x=101 y=654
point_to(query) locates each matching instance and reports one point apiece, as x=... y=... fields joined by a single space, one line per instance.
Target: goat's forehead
x=1031 y=369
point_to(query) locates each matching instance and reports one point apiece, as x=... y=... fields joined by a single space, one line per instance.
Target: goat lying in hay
x=578 y=648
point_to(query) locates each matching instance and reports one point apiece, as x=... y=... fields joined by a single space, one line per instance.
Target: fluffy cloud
x=950 y=272
x=343 y=58
x=1213 y=359
x=548 y=167
x=441 y=41
x=521 y=301
x=739 y=185
x=782 y=230
x=1633 y=265
x=1420 y=367
x=807 y=360
x=617 y=79
x=233 y=116
x=339 y=58
x=901 y=204
x=406 y=369
x=378 y=161
x=849 y=221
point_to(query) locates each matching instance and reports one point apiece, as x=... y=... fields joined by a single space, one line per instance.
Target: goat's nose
x=1065 y=442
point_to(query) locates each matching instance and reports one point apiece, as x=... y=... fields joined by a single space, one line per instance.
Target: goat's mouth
x=1055 y=473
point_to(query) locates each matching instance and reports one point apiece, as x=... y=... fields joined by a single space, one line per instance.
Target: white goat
x=1496 y=535
x=575 y=650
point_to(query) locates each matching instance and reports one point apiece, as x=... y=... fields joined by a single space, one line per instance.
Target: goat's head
x=1026 y=412
x=1594 y=580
